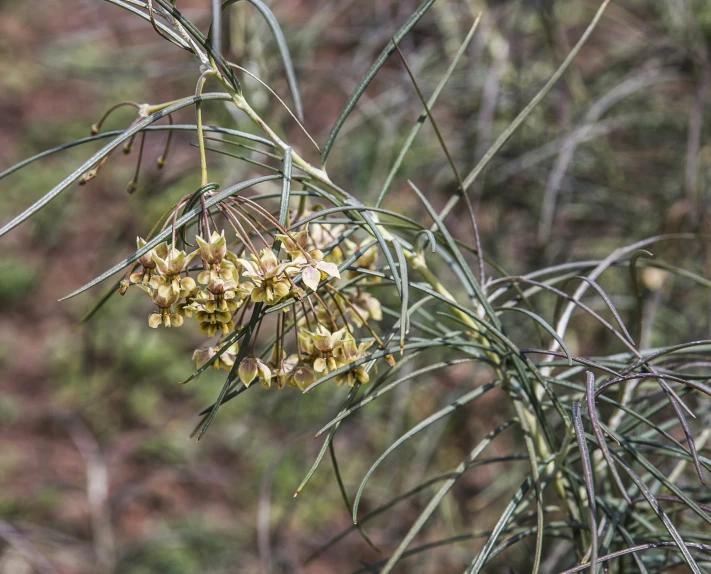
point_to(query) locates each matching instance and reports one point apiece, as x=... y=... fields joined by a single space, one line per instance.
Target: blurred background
x=97 y=473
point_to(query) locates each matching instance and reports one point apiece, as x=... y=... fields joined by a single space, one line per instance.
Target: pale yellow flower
x=165 y=316
x=363 y=307
x=312 y=275
x=148 y=266
x=269 y=275
x=250 y=368
x=350 y=352
x=224 y=361
x=322 y=344
x=302 y=376
x=170 y=267
x=283 y=369
x=294 y=243
x=214 y=253
x=215 y=305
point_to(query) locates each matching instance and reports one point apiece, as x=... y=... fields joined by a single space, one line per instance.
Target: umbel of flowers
x=313 y=333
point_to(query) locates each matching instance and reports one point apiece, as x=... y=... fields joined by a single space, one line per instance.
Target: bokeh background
x=97 y=473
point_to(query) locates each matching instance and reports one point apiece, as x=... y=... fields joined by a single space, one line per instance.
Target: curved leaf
x=183 y=220
x=370 y=74
x=103 y=152
x=283 y=49
x=440 y=414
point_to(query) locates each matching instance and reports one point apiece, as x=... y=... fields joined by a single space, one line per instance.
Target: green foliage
x=314 y=291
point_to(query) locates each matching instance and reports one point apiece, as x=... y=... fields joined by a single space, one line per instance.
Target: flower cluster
x=329 y=352
x=161 y=277
x=299 y=272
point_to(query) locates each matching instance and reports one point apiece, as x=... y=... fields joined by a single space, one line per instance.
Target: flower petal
x=330 y=269
x=247 y=371
x=320 y=365
x=303 y=377
x=311 y=277
x=160 y=263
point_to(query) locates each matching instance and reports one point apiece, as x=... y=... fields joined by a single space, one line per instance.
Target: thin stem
x=198 y=113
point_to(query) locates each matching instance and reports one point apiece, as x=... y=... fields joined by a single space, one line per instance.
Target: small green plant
x=304 y=285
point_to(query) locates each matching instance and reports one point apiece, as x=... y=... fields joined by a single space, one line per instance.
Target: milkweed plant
x=291 y=280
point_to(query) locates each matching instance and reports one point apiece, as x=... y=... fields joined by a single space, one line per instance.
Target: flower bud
x=303 y=376
x=214 y=251
x=247 y=371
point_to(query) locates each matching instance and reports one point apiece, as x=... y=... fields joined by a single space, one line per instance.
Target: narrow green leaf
x=285 y=188
x=404 y=317
x=457 y=254
x=285 y=195
x=609 y=304
x=162 y=27
x=543 y=323
x=481 y=558
x=589 y=484
x=452 y=164
x=114 y=133
x=199 y=37
x=430 y=238
x=273 y=23
x=423 y=117
x=634 y=550
x=243 y=350
x=521 y=117
x=521 y=412
x=349 y=399
x=370 y=74
x=663 y=480
x=434 y=503
x=440 y=414
x=344 y=496
x=577 y=303
x=185 y=219
x=659 y=511
x=646 y=359
x=601 y=442
x=371 y=397
x=216 y=27
x=104 y=151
